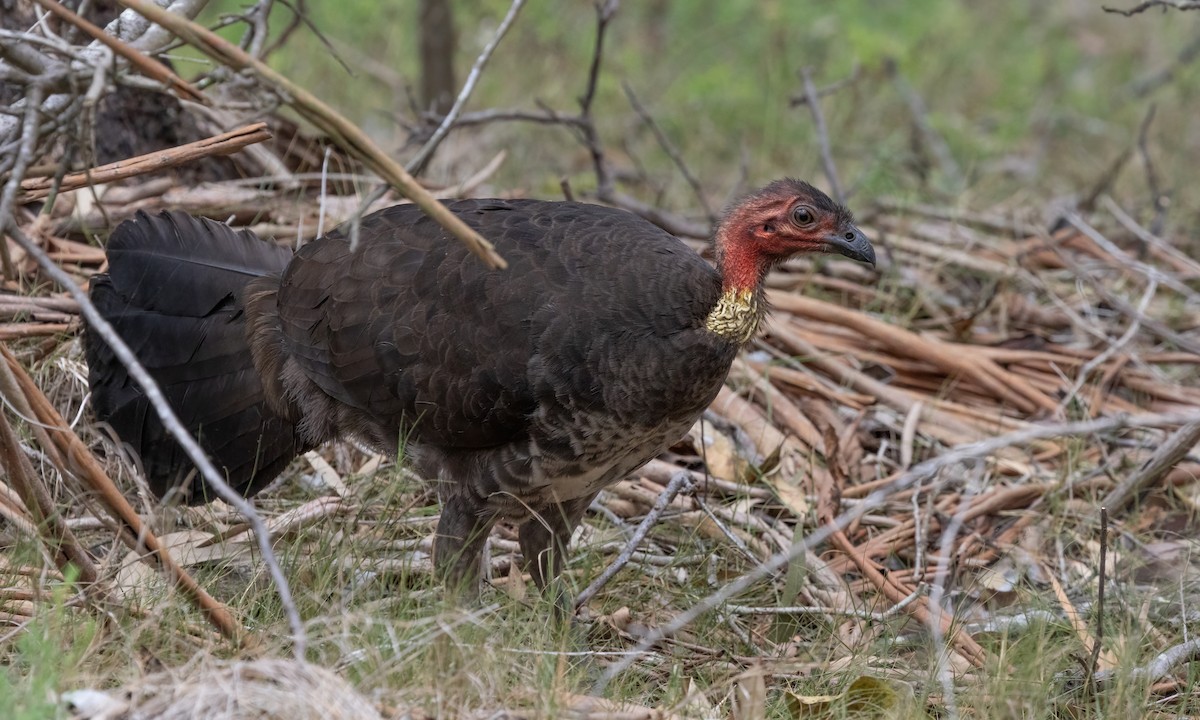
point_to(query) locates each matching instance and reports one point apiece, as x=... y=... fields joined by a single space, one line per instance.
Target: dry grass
x=989 y=331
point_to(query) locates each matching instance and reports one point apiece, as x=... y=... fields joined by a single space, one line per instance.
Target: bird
x=519 y=393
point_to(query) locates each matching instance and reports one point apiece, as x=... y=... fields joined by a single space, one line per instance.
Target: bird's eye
x=802 y=215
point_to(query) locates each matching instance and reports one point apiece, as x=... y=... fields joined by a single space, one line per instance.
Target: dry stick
x=68 y=453
x=100 y=327
x=814 y=106
x=325 y=118
x=938 y=622
x=1161 y=248
x=919 y=473
x=951 y=358
x=61 y=542
x=829 y=89
x=672 y=152
x=863 y=383
x=1147 y=84
x=1112 y=348
x=1123 y=260
x=679 y=481
x=147 y=65
x=1144 y=6
x=223 y=144
x=929 y=135
x=1158 y=327
x=29 y=133
x=1100 y=596
x=417 y=165
x=896 y=592
x=1161 y=665
x=1160 y=200
x=1167 y=456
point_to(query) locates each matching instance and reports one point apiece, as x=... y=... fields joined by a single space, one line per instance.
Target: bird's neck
x=740 y=308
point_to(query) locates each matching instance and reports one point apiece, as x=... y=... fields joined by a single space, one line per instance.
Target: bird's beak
x=851 y=242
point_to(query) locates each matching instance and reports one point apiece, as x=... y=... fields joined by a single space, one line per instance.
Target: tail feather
x=182 y=265
x=174 y=294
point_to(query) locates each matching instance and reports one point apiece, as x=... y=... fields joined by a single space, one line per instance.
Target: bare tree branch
x=672 y=152
x=814 y=105
x=1164 y=4
x=345 y=133
x=29 y=138
x=418 y=163
x=679 y=482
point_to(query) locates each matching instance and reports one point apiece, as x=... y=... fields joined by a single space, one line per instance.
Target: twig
x=417 y=165
x=1145 y=85
x=672 y=152
x=604 y=185
x=1112 y=347
x=223 y=144
x=1158 y=198
x=829 y=89
x=98 y=325
x=344 y=132
x=29 y=138
x=1165 y=251
x=904 y=481
x=814 y=106
x=59 y=539
x=60 y=442
x=928 y=134
x=1124 y=260
x=1103 y=575
x=679 y=482
x=891 y=612
x=1165 y=457
x=145 y=64
x=937 y=595
x=1161 y=665
x=1164 y=4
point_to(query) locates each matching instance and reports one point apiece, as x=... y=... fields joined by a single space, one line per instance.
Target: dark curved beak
x=851 y=242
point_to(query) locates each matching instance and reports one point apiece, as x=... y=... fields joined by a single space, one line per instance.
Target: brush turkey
x=522 y=392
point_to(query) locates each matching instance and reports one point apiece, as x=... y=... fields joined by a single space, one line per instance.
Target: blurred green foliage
x=1033 y=99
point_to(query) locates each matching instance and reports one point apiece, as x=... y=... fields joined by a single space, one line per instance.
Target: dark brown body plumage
x=523 y=392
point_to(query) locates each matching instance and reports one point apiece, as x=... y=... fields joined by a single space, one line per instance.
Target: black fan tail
x=174 y=294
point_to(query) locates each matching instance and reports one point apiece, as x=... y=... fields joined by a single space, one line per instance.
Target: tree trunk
x=438 y=40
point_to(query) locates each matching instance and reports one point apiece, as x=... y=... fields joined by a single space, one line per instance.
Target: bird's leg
x=458 y=546
x=544 y=542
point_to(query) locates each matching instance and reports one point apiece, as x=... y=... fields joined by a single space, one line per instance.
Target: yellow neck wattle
x=735 y=316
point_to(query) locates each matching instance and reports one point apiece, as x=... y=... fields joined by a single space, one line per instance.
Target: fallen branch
x=223 y=144
x=1168 y=455
x=73 y=458
x=1164 y=4
x=679 y=481
x=59 y=539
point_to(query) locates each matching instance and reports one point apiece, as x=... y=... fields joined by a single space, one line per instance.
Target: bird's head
x=786 y=218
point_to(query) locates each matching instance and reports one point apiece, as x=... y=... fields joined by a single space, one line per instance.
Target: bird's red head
x=783 y=219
